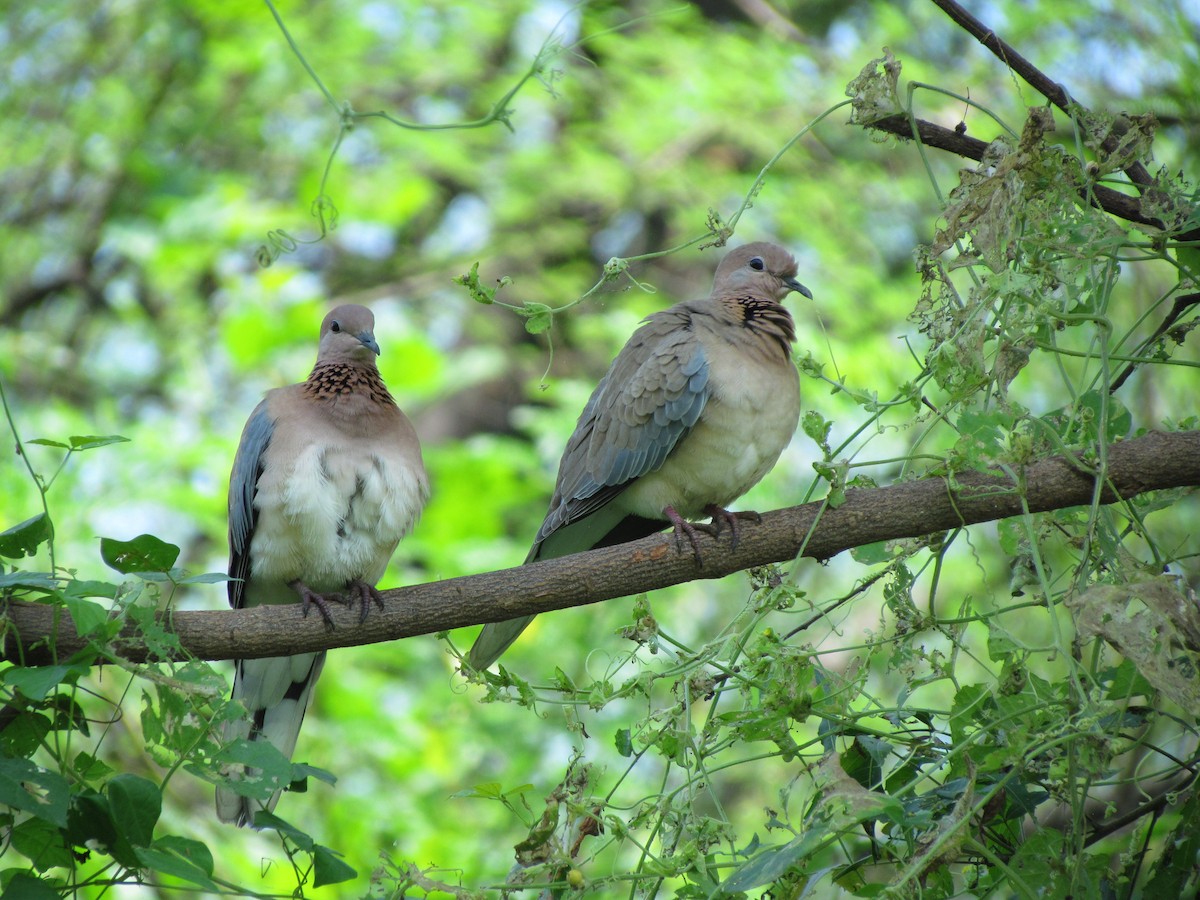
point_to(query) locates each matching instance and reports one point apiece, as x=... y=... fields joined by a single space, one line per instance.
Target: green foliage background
x=153 y=152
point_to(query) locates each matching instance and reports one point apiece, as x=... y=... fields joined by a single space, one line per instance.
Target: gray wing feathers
x=651 y=397
x=243 y=482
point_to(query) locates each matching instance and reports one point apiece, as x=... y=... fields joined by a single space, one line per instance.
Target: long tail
x=494 y=640
x=604 y=528
x=276 y=693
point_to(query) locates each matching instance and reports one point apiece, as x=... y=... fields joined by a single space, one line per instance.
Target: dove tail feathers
x=494 y=640
x=276 y=693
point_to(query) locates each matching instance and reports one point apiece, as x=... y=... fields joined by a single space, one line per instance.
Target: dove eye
x=757 y=264
x=335 y=327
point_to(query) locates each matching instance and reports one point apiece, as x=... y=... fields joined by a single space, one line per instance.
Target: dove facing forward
x=692 y=413
x=327 y=479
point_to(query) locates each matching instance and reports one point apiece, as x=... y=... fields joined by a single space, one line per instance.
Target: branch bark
x=37 y=634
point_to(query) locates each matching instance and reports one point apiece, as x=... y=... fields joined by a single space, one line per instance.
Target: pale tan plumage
x=328 y=478
x=693 y=412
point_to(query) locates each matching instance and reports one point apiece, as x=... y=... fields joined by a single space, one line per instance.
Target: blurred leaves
x=885 y=722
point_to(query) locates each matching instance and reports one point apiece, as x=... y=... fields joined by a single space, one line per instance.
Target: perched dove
x=327 y=479
x=692 y=413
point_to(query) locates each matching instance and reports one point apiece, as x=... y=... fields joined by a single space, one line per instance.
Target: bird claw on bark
x=720 y=514
x=684 y=528
x=310 y=598
x=364 y=594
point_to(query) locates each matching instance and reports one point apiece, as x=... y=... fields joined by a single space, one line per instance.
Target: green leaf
x=274 y=770
x=145 y=553
x=475 y=287
x=136 y=804
x=329 y=867
x=1174 y=873
x=46 y=442
x=24 y=734
x=492 y=790
x=971 y=706
x=817 y=427
x=470 y=281
x=25 y=538
x=31 y=789
x=43 y=843
x=85 y=588
x=91 y=769
x=206 y=578
x=538 y=317
x=864 y=760
x=90 y=823
x=1125 y=681
x=301 y=772
x=872 y=554
x=489 y=790
x=772 y=863
x=35 y=683
x=1039 y=861
x=68 y=714
x=37 y=581
x=303 y=840
x=182 y=858
x=624 y=742
x=87 y=615
x=24 y=886
x=92 y=441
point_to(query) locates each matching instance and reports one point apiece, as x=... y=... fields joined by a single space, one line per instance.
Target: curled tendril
x=325 y=212
x=278 y=243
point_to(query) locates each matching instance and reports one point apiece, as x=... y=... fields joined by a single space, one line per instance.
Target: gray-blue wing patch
x=650 y=398
x=243 y=482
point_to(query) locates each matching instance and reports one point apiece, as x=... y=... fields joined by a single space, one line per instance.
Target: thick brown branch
x=1153 y=462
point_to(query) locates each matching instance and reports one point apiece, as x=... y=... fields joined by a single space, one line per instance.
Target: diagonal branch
x=1035 y=77
x=1155 y=461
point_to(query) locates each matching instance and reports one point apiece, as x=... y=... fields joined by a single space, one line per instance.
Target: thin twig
x=1182 y=304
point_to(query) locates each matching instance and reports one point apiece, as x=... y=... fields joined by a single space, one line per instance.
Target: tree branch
x=1111 y=201
x=1035 y=77
x=1155 y=461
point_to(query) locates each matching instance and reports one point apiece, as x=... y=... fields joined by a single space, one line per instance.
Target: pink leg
x=684 y=528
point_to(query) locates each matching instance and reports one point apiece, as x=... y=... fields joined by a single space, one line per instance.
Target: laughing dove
x=327 y=479
x=691 y=414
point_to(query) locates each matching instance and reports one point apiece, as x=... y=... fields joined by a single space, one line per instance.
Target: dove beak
x=793 y=285
x=368 y=340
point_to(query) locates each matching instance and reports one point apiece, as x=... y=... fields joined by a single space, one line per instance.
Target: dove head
x=762 y=268
x=348 y=336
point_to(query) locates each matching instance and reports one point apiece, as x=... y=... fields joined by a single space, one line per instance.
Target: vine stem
x=37 y=481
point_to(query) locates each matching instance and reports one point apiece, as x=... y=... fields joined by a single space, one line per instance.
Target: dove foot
x=684 y=528
x=720 y=514
x=365 y=594
x=310 y=598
